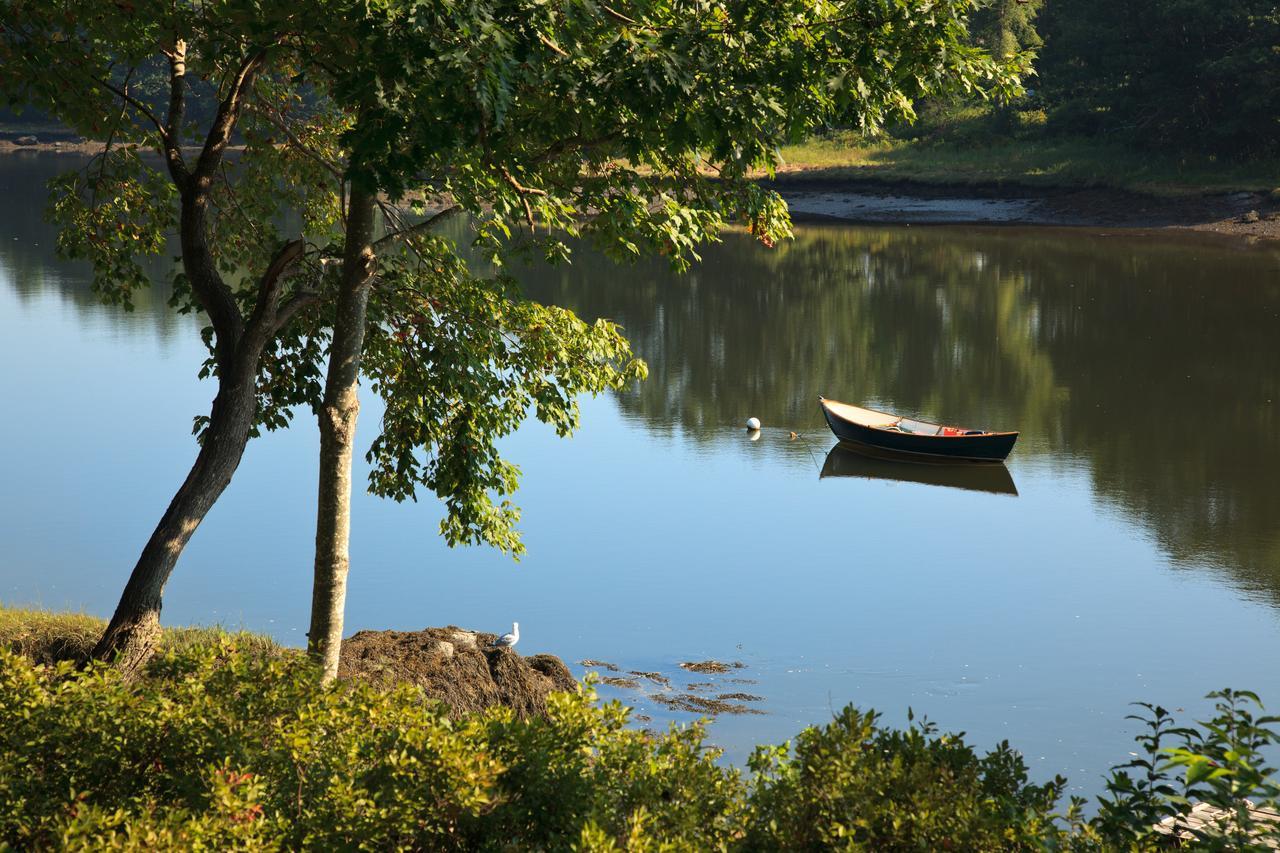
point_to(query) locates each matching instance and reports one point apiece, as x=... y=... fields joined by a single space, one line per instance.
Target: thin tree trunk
x=337 y=437
x=134 y=629
x=131 y=636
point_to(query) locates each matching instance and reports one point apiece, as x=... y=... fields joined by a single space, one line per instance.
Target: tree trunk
x=337 y=437
x=131 y=636
x=134 y=629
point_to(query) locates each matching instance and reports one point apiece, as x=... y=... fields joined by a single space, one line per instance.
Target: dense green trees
x=1006 y=27
x=1187 y=74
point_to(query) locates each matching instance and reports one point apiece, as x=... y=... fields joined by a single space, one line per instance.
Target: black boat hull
x=989 y=447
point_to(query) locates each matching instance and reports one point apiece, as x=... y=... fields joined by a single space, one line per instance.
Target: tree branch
x=292 y=306
x=279 y=124
x=418 y=228
x=177 y=106
x=225 y=119
x=131 y=101
x=265 y=318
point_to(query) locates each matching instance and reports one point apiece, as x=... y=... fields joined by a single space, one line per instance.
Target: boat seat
x=918 y=427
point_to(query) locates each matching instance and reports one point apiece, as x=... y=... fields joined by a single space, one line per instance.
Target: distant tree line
x=1192 y=75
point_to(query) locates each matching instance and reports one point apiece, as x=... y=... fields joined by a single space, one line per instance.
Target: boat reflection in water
x=845 y=462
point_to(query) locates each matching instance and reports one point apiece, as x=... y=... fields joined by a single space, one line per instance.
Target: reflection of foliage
x=863 y=314
x=1153 y=362
x=29 y=241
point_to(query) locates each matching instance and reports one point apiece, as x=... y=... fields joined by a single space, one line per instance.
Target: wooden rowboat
x=919 y=440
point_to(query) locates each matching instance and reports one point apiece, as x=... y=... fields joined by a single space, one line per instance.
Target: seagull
x=507 y=641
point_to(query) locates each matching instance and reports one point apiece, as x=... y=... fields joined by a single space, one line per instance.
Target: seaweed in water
x=711 y=666
x=656 y=677
x=598 y=663
x=701 y=705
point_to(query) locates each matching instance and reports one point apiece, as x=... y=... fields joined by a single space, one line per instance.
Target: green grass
x=47 y=637
x=1039 y=161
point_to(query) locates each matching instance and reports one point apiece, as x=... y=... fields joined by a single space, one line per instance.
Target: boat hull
x=988 y=447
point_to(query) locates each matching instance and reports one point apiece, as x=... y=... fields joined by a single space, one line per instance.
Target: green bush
x=855 y=784
x=221 y=747
x=217 y=748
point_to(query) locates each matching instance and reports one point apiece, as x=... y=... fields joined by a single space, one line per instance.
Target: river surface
x=1131 y=552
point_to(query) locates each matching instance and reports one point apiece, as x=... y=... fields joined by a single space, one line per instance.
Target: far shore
x=813 y=195
x=865 y=195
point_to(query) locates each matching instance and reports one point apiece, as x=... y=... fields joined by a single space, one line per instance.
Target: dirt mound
x=455 y=666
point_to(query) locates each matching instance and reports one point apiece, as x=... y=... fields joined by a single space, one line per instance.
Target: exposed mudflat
x=1244 y=214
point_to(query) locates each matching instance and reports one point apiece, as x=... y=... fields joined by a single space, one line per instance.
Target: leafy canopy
x=637 y=127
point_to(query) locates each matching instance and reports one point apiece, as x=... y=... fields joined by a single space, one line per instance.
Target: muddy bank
x=45 y=145
x=456 y=666
x=1244 y=214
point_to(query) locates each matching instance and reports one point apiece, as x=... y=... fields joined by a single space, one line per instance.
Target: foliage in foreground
x=219 y=748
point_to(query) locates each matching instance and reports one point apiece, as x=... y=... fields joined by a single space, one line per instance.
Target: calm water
x=1132 y=551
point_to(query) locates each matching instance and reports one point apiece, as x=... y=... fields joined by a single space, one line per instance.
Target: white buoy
x=753 y=423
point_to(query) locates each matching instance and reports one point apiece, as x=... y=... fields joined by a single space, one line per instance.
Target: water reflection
x=845 y=462
x=28 y=261
x=1150 y=363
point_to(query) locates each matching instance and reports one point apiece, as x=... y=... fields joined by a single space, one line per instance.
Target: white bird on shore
x=507 y=641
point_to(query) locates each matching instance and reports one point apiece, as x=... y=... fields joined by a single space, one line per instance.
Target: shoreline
x=823 y=194
x=815 y=197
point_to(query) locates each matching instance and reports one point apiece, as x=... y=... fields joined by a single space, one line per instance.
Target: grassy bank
x=48 y=637
x=960 y=158
x=222 y=747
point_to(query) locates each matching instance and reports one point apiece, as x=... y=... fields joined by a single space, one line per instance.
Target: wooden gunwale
x=981 y=433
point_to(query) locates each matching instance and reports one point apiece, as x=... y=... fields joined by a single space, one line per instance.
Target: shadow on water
x=845 y=462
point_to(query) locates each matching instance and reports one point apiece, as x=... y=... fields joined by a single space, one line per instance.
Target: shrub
x=853 y=784
x=222 y=747
x=219 y=748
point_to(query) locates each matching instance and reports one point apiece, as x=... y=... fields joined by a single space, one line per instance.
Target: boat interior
x=886 y=421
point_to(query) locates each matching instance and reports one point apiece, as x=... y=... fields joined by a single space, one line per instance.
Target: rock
x=464 y=638
x=1251 y=216
x=456 y=667
x=26 y=140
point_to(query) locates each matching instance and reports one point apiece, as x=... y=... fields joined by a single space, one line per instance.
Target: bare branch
x=418 y=228
x=131 y=101
x=554 y=47
x=292 y=306
x=515 y=185
x=281 y=125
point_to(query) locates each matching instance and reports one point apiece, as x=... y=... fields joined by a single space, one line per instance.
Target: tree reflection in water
x=1152 y=362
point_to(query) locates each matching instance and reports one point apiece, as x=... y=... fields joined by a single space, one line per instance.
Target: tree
x=83 y=62
x=1184 y=74
x=638 y=130
x=1006 y=27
